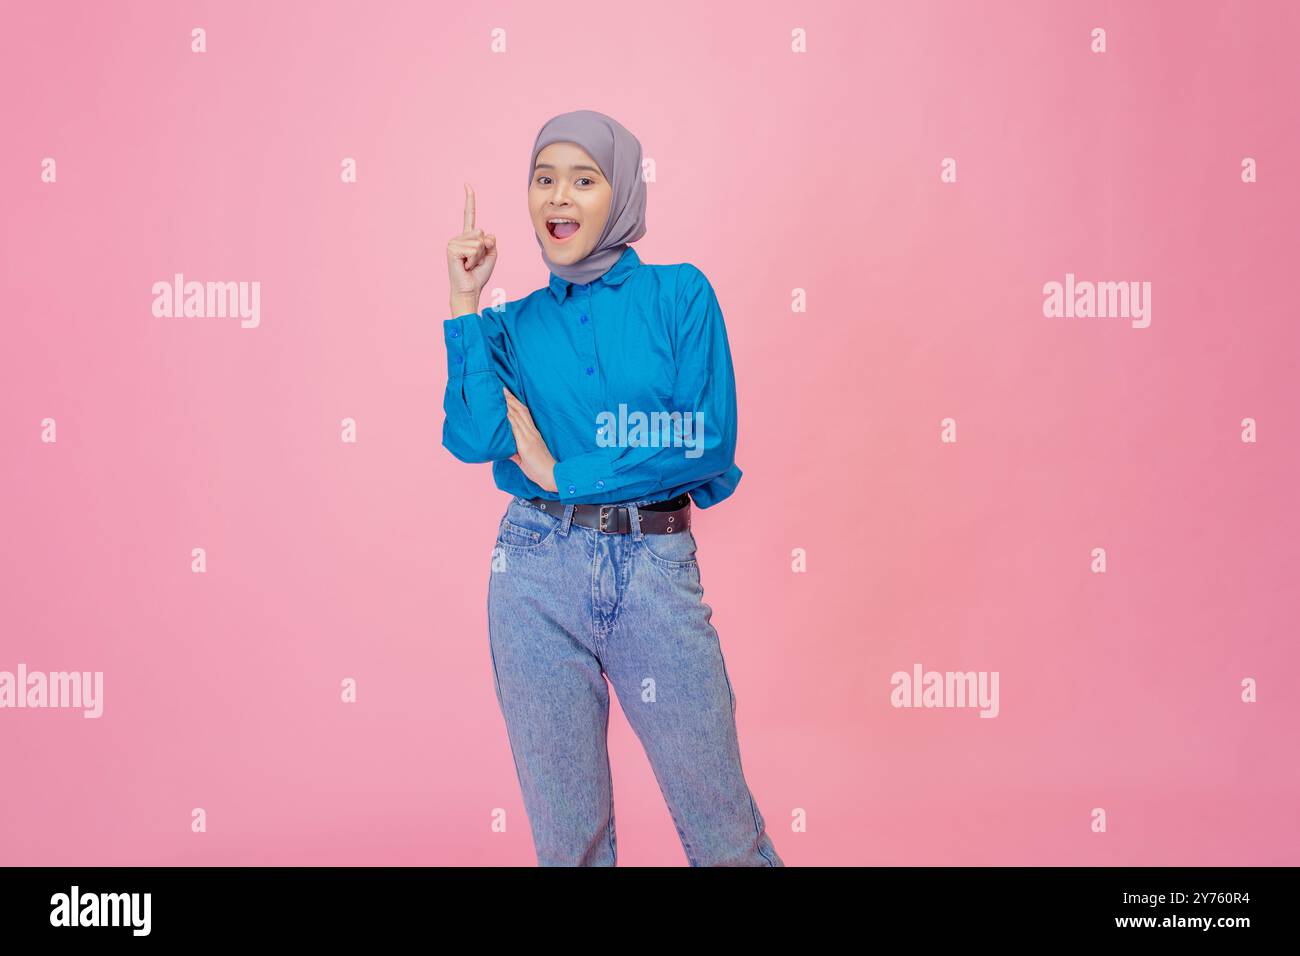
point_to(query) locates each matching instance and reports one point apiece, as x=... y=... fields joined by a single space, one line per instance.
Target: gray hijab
x=618 y=154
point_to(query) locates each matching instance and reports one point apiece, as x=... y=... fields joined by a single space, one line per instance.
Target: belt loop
x=634 y=519
x=566 y=520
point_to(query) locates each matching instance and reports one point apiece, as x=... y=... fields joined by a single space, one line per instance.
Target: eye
x=586 y=179
x=540 y=178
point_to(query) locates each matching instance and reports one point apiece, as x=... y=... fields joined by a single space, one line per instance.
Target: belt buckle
x=604 y=518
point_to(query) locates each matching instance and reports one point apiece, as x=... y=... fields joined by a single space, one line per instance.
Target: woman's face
x=567 y=184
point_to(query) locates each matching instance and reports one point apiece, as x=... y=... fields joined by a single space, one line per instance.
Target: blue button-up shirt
x=609 y=371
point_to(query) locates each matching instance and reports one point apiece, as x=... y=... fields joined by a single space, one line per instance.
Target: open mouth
x=561 y=229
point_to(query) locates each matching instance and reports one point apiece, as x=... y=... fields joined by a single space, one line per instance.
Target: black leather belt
x=660 y=517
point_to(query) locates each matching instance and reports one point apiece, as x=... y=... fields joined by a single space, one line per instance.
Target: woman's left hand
x=533 y=456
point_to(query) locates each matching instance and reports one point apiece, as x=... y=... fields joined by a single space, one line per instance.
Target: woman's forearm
x=463 y=305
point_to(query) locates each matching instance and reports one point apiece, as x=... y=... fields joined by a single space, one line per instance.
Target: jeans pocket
x=673 y=551
x=525 y=527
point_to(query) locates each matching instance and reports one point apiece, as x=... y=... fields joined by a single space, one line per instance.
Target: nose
x=559 y=194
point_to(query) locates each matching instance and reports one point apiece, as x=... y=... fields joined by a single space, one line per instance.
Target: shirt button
x=590 y=370
x=455 y=333
x=584 y=320
x=459 y=359
x=600 y=484
x=572 y=489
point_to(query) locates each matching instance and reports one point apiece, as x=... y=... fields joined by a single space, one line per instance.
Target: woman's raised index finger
x=469 y=207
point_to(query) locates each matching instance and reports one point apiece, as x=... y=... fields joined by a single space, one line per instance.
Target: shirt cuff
x=583 y=475
x=466 y=350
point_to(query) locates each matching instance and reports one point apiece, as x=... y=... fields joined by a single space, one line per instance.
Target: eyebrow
x=591 y=169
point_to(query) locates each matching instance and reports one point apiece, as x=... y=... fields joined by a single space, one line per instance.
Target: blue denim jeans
x=572 y=611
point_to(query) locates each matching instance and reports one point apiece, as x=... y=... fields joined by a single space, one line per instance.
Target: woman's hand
x=471 y=256
x=533 y=456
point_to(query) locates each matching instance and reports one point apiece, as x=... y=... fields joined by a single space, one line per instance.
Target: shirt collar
x=614 y=275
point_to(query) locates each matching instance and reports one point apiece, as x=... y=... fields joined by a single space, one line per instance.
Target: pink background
x=776 y=171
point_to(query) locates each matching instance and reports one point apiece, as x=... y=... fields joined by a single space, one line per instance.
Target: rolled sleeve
x=479 y=363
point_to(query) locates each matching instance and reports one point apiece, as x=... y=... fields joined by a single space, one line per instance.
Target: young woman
x=606 y=402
